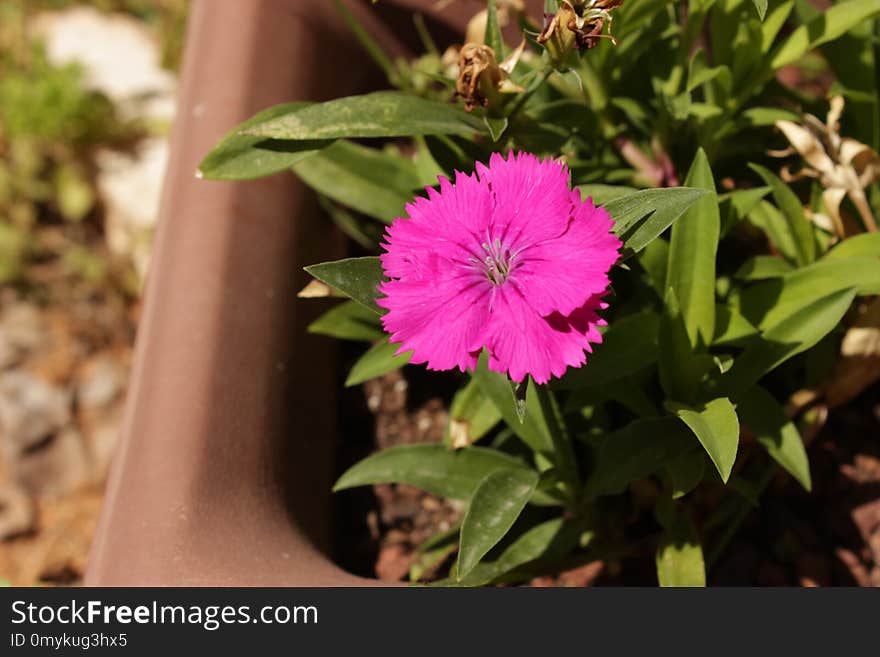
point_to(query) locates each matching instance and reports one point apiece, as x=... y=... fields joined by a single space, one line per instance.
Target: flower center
x=498 y=262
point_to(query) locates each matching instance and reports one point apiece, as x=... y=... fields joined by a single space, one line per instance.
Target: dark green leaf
x=376 y=183
x=761 y=267
x=766 y=418
x=493 y=37
x=716 y=427
x=641 y=217
x=497 y=387
x=454 y=474
x=760 y=7
x=692 y=249
x=356 y=278
x=492 y=510
x=791 y=336
x=244 y=157
x=348 y=321
x=629 y=345
x=379 y=114
x=636 y=451
x=686 y=472
x=679 y=554
x=788 y=202
x=379 y=359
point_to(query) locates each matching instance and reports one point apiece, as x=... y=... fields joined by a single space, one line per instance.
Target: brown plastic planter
x=224 y=469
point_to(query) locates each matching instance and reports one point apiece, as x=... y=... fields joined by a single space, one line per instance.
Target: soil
x=830 y=537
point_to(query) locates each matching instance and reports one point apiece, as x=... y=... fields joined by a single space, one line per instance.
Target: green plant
x=726 y=302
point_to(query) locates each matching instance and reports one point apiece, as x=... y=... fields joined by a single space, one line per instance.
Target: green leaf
x=366 y=40
x=454 y=474
x=356 y=278
x=681 y=369
x=348 y=321
x=535 y=543
x=378 y=114
x=379 y=359
x=736 y=205
x=494 y=507
x=769 y=302
x=762 y=267
x=641 y=217
x=766 y=418
x=244 y=157
x=686 y=472
x=629 y=345
x=497 y=387
x=679 y=555
x=496 y=126
x=760 y=7
x=825 y=27
x=791 y=336
x=376 y=183
x=692 y=249
x=551 y=420
x=601 y=194
x=865 y=245
x=636 y=451
x=471 y=415
x=493 y=37
x=716 y=427
x=768 y=218
x=730 y=326
x=788 y=202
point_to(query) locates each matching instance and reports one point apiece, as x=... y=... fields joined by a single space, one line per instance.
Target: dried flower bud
x=577 y=25
x=481 y=79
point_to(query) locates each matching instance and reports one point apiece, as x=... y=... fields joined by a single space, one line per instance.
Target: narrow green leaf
x=629 y=345
x=776 y=226
x=378 y=114
x=497 y=387
x=761 y=8
x=826 y=26
x=865 y=245
x=679 y=555
x=529 y=546
x=356 y=278
x=496 y=126
x=348 y=321
x=788 y=202
x=494 y=507
x=641 y=217
x=551 y=419
x=379 y=359
x=376 y=183
x=686 y=472
x=692 y=249
x=761 y=267
x=681 y=370
x=454 y=474
x=769 y=302
x=245 y=157
x=493 y=37
x=735 y=206
x=766 y=418
x=471 y=415
x=791 y=336
x=636 y=451
x=731 y=326
x=717 y=428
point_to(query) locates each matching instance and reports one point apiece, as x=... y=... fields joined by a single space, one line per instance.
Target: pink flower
x=509 y=259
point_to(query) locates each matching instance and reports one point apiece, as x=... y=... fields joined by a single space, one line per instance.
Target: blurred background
x=87 y=98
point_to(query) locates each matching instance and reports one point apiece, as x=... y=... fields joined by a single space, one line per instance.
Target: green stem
x=563 y=451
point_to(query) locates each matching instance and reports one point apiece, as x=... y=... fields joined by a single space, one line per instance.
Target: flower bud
x=482 y=81
x=577 y=25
